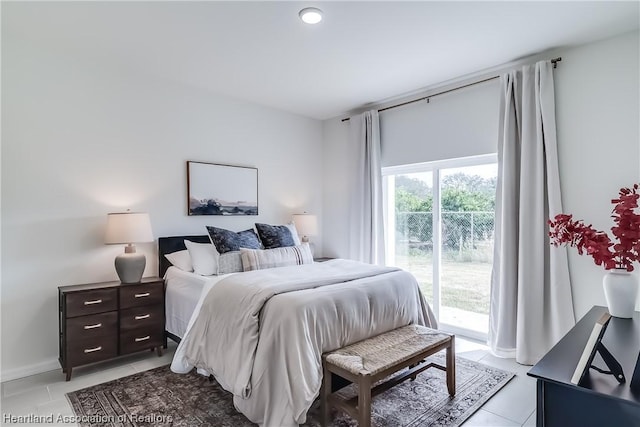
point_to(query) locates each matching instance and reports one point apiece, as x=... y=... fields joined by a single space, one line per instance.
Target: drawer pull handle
x=95 y=301
x=91 y=350
x=146 y=294
x=97 y=325
x=146 y=316
x=143 y=338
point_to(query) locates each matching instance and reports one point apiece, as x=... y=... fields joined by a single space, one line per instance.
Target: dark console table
x=600 y=401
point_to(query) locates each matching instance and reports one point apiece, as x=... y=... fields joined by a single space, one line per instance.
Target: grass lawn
x=464 y=285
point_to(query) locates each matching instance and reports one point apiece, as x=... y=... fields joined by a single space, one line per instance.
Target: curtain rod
x=346 y=119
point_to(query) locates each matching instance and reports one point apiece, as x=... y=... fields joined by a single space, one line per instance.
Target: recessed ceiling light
x=311 y=15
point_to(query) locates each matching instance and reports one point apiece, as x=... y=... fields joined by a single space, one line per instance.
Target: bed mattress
x=182 y=296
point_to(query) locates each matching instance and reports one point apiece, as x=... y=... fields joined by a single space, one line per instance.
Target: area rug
x=161 y=398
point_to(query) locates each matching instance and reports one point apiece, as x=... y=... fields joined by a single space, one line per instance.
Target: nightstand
x=99 y=321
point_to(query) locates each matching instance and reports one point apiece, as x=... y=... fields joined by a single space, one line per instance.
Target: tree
x=457 y=200
x=463 y=193
x=409 y=202
x=460 y=193
x=415 y=186
x=414 y=204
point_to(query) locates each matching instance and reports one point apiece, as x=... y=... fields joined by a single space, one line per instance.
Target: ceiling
x=361 y=53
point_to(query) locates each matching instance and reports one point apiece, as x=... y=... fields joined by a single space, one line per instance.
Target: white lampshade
x=306 y=224
x=128 y=227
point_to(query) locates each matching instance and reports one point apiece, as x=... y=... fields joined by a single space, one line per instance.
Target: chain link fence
x=465 y=235
x=467 y=252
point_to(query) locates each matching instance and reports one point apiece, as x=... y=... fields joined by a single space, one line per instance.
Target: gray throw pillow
x=230 y=262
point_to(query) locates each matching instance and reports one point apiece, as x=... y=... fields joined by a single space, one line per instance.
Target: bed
x=262 y=333
x=182 y=290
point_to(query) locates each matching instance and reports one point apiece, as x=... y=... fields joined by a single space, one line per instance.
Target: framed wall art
x=216 y=189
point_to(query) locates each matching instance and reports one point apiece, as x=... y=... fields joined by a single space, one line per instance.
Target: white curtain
x=531 y=303
x=366 y=214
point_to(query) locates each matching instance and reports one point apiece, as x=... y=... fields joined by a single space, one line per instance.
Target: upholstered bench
x=369 y=361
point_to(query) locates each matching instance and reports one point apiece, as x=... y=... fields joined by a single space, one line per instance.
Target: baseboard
x=25 y=371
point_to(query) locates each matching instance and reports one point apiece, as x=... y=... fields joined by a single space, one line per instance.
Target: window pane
x=414 y=227
x=467 y=206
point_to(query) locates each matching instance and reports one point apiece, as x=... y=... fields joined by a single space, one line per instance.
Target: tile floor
x=44 y=394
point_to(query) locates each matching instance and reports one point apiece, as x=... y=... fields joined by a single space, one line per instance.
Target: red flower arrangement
x=565 y=231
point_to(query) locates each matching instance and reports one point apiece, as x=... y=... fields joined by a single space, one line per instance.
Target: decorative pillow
x=275 y=236
x=230 y=262
x=204 y=258
x=294 y=233
x=180 y=259
x=227 y=241
x=253 y=259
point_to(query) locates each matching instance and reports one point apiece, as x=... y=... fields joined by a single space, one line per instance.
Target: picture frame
x=220 y=189
x=593 y=346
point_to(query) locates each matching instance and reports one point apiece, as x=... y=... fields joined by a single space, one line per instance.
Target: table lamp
x=128 y=228
x=306 y=224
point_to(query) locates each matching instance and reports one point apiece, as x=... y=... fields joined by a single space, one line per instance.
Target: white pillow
x=180 y=259
x=294 y=233
x=204 y=258
x=260 y=259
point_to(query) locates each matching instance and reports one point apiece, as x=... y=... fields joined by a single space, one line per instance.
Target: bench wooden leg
x=325 y=391
x=364 y=401
x=413 y=377
x=451 y=368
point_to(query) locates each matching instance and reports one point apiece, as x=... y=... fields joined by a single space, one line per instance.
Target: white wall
x=336 y=196
x=81 y=139
x=597 y=97
x=597 y=112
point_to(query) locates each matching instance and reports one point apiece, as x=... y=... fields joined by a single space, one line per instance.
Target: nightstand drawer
x=142 y=317
x=90 y=302
x=139 y=295
x=92 y=349
x=141 y=339
x=92 y=326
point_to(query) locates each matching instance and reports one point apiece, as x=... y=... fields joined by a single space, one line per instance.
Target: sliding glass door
x=440 y=226
x=410 y=246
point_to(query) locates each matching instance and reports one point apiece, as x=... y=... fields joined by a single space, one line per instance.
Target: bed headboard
x=166 y=245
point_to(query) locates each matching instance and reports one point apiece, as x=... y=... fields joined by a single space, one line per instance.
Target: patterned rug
x=161 y=398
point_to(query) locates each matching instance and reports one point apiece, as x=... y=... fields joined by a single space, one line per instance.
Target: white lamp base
x=130 y=265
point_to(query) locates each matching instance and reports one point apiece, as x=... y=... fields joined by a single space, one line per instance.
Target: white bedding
x=182 y=295
x=262 y=333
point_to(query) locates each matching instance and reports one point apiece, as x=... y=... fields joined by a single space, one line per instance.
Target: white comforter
x=262 y=333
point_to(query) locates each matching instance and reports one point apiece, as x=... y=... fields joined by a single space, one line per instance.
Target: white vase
x=621 y=292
